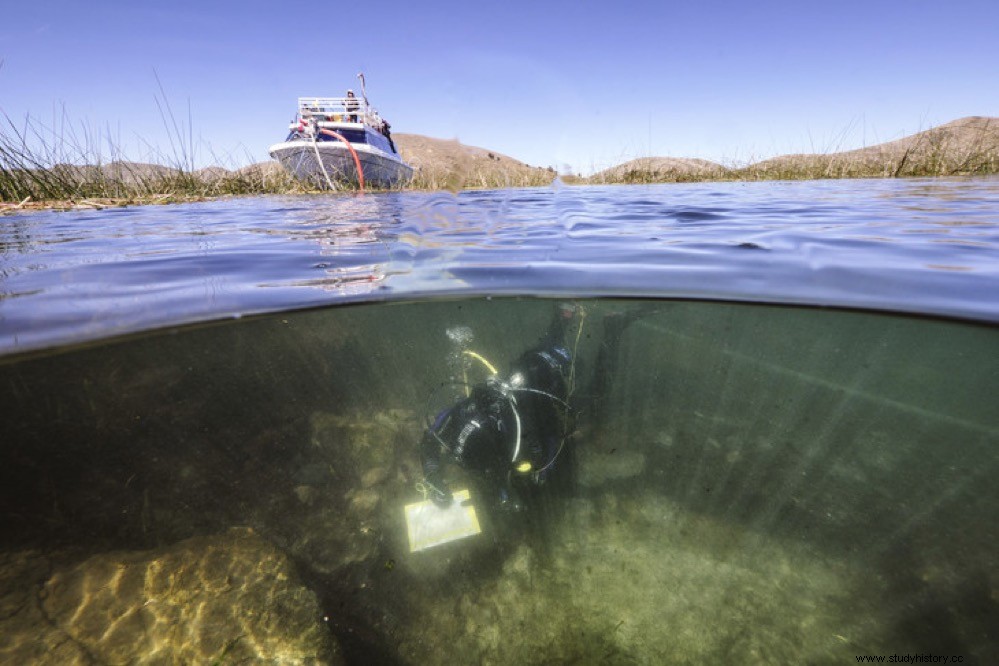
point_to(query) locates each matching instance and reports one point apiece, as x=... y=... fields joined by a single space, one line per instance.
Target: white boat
x=341 y=141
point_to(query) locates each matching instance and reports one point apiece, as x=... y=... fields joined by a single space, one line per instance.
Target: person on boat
x=511 y=434
x=385 y=129
x=306 y=125
x=352 y=105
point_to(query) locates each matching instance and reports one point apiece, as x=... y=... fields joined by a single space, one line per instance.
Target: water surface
x=929 y=246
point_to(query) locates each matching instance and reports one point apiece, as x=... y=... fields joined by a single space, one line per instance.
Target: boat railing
x=338 y=109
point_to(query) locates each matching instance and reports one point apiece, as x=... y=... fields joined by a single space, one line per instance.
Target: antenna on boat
x=364 y=93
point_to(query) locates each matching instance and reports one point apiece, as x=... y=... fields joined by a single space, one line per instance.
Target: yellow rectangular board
x=429 y=525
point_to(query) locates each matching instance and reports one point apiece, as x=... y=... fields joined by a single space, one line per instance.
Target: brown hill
x=128 y=174
x=25 y=184
x=449 y=164
x=660 y=170
x=964 y=146
x=443 y=164
x=269 y=169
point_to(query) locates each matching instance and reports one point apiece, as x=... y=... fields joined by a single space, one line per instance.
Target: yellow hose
x=479 y=357
x=575 y=346
x=464 y=370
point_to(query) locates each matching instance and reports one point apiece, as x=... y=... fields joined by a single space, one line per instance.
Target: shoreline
x=66 y=205
x=964 y=147
x=30 y=205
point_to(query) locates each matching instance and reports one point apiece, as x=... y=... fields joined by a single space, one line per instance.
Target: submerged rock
x=595 y=468
x=362 y=450
x=307 y=495
x=26 y=635
x=356 y=466
x=218 y=599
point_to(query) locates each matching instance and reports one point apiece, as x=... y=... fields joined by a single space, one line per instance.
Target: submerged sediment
x=237 y=492
x=622 y=575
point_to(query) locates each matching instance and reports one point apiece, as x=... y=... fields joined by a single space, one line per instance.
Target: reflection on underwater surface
x=752 y=484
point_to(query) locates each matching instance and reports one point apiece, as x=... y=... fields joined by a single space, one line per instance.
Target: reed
x=38 y=164
x=646 y=176
x=454 y=180
x=40 y=167
x=79 y=167
x=965 y=147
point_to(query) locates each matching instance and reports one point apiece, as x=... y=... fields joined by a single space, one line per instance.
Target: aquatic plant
x=647 y=170
x=67 y=167
x=442 y=178
x=38 y=164
x=41 y=164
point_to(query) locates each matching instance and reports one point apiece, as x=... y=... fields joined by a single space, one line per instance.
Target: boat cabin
x=351 y=117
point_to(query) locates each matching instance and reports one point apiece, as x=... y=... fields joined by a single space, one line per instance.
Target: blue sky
x=582 y=84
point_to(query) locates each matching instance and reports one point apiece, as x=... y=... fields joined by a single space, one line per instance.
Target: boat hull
x=324 y=163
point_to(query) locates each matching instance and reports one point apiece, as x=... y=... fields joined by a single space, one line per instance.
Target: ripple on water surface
x=926 y=246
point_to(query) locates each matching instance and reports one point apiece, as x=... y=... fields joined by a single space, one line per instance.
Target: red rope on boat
x=357 y=160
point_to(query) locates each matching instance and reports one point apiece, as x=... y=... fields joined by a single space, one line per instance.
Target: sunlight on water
x=740 y=484
x=900 y=245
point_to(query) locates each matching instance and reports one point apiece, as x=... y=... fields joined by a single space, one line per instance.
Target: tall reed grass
x=38 y=164
x=927 y=154
x=75 y=166
x=439 y=178
x=966 y=147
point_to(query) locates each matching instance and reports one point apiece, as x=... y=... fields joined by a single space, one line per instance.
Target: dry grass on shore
x=48 y=175
x=97 y=191
x=967 y=146
x=32 y=178
x=450 y=165
x=129 y=183
x=659 y=170
x=40 y=170
x=964 y=147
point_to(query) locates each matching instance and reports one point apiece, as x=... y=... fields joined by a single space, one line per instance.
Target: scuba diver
x=511 y=434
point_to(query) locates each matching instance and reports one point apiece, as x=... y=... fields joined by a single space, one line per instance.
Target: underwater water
x=780 y=478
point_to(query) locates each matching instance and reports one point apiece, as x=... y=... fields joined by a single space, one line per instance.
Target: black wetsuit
x=480 y=433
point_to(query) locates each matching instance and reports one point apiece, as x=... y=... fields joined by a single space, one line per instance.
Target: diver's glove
x=438 y=492
x=510 y=502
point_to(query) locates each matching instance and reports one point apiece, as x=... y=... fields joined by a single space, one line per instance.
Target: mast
x=364 y=93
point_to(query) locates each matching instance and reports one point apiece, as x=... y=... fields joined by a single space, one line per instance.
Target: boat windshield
x=352 y=135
